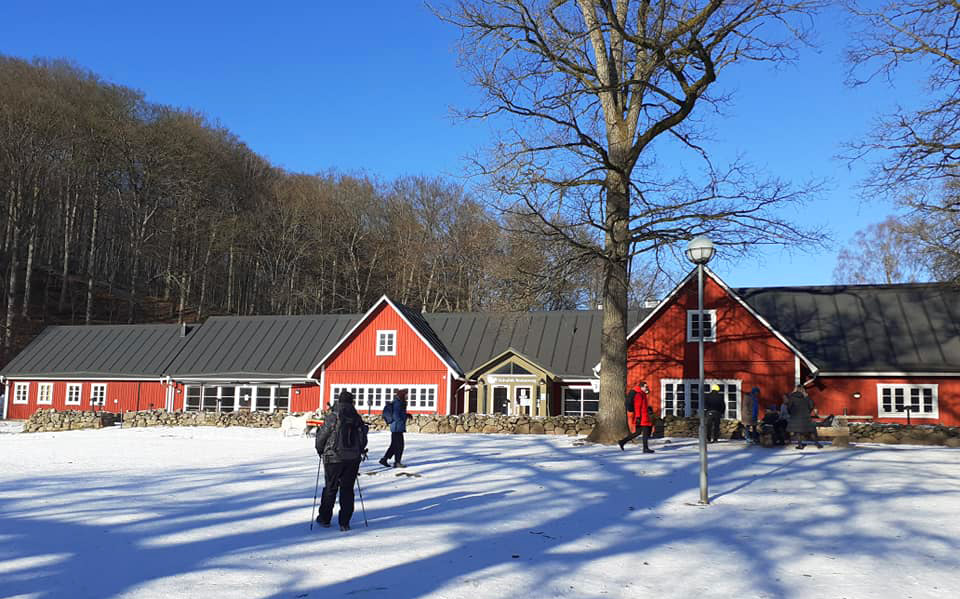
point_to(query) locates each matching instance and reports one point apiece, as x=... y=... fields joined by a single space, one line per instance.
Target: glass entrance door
x=524 y=400
x=501 y=400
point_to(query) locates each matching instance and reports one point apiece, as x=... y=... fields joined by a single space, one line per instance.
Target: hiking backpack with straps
x=350 y=438
x=388 y=412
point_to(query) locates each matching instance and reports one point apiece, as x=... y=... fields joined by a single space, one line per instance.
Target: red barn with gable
x=390 y=347
x=890 y=352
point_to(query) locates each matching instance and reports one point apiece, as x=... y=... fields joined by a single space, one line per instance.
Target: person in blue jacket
x=396 y=414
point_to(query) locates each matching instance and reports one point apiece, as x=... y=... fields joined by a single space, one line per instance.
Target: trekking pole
x=362 y=508
x=316 y=488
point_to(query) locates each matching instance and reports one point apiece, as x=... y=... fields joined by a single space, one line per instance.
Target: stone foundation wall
x=909 y=435
x=43 y=421
x=671 y=426
x=164 y=418
x=477 y=423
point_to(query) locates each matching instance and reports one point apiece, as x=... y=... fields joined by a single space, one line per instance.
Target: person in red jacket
x=643 y=414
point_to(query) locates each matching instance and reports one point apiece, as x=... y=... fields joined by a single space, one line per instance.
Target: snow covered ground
x=204 y=512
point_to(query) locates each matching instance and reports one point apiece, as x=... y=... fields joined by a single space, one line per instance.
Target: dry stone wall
x=164 y=418
x=43 y=421
x=671 y=426
x=479 y=423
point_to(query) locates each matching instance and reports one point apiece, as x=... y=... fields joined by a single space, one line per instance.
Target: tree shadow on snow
x=495 y=504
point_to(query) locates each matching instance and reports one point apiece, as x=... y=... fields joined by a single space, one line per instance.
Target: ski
x=377 y=470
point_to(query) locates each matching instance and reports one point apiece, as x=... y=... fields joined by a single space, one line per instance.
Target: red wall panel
x=121 y=396
x=833 y=395
x=305 y=398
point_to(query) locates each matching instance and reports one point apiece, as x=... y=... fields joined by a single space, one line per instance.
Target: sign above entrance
x=501 y=379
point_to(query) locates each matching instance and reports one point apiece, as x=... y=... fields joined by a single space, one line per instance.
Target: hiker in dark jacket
x=801 y=424
x=397 y=416
x=715 y=407
x=340 y=464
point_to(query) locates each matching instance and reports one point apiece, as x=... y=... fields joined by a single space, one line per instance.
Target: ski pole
x=316 y=488
x=362 y=508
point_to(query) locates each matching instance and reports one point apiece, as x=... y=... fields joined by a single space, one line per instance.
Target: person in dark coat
x=398 y=426
x=340 y=471
x=776 y=425
x=801 y=424
x=715 y=407
x=643 y=415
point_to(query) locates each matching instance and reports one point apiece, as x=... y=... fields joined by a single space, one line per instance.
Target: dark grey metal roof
x=100 y=351
x=251 y=347
x=566 y=343
x=418 y=322
x=867 y=328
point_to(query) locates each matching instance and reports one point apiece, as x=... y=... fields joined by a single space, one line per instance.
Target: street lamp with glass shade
x=699 y=251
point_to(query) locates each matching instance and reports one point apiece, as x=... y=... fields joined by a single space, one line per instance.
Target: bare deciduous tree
x=916 y=149
x=593 y=96
x=887 y=252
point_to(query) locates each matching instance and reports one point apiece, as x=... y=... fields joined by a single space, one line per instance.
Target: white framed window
x=44 y=394
x=386 y=343
x=580 y=401
x=374 y=397
x=74 y=394
x=21 y=392
x=681 y=397
x=98 y=394
x=895 y=401
x=709 y=325
x=232 y=398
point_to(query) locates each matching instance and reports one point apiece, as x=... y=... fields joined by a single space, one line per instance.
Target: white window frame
x=688 y=385
x=234 y=401
x=21 y=393
x=44 y=394
x=79 y=395
x=386 y=343
x=907 y=388
x=419 y=397
x=94 y=389
x=581 y=390
x=691 y=315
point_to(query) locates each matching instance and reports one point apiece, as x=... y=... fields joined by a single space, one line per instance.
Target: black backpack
x=350 y=438
x=388 y=412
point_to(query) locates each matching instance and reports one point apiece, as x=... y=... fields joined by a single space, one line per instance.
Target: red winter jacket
x=640 y=404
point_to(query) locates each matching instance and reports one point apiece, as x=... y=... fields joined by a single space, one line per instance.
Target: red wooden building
x=887 y=351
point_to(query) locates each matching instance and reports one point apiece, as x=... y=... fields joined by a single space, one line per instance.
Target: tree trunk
x=31 y=249
x=95 y=218
x=69 y=217
x=611 y=419
x=230 y=279
x=13 y=260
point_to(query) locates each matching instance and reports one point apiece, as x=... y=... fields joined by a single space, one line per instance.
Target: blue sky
x=369 y=86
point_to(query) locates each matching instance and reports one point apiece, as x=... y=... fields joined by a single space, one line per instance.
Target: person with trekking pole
x=342 y=445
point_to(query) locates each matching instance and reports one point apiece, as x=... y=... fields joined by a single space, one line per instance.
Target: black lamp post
x=699 y=251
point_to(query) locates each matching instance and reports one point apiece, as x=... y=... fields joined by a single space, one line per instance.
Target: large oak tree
x=597 y=100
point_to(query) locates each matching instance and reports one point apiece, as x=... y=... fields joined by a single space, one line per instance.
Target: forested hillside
x=116 y=209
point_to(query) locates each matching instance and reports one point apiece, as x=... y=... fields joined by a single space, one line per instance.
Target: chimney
x=183 y=329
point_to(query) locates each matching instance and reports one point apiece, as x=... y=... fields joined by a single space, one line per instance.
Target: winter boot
x=383 y=462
